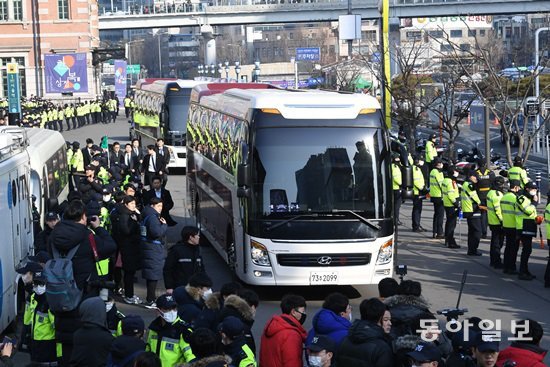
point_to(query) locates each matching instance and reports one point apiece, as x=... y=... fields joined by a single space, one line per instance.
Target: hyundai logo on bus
x=324 y=260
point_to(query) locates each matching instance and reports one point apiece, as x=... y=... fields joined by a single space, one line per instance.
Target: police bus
x=49 y=181
x=161 y=112
x=291 y=187
x=16 y=225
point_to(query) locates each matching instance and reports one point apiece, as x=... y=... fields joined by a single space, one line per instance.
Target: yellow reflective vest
x=431 y=151
x=508 y=209
x=168 y=342
x=524 y=210
x=450 y=192
x=418 y=180
x=494 y=211
x=436 y=179
x=396 y=176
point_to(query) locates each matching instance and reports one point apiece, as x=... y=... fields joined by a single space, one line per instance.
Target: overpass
x=239 y=12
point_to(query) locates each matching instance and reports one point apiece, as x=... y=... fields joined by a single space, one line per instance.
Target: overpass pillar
x=209 y=40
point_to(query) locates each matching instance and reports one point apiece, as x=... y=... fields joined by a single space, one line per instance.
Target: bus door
x=14 y=206
x=25 y=213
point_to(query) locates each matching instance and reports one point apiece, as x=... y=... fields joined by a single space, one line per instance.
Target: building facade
x=31 y=29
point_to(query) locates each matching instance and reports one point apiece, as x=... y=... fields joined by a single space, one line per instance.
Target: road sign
x=14 y=98
x=308 y=54
x=532 y=106
x=133 y=69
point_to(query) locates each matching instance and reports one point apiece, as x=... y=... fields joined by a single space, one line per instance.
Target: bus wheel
x=231 y=252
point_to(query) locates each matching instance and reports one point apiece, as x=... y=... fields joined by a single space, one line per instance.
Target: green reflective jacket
x=508 y=209
x=524 y=210
x=436 y=179
x=450 y=192
x=469 y=197
x=494 y=211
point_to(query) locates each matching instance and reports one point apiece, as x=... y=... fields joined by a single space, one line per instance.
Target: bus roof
x=145 y=81
x=161 y=86
x=208 y=89
x=309 y=104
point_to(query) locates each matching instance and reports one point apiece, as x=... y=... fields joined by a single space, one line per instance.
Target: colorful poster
x=120 y=80
x=65 y=73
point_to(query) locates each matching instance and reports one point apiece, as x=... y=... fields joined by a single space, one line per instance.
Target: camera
x=401 y=270
x=452 y=313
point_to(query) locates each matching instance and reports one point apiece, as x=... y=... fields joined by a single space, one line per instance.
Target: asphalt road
x=487 y=293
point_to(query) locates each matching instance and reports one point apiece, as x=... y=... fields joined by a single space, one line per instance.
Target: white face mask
x=350 y=317
x=207 y=293
x=455 y=174
x=533 y=193
x=420 y=163
x=315 y=361
x=106 y=198
x=109 y=306
x=170 y=316
x=39 y=289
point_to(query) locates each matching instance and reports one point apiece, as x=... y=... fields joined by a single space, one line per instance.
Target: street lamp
x=200 y=71
x=220 y=69
x=227 y=70
x=213 y=69
x=237 y=69
x=537 y=90
x=256 y=71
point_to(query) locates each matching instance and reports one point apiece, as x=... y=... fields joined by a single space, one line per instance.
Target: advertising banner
x=65 y=73
x=120 y=80
x=14 y=98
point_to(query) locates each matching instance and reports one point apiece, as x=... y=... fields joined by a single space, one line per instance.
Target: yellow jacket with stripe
x=169 y=342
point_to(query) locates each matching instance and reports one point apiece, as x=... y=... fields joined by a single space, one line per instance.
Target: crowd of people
x=64 y=115
x=506 y=206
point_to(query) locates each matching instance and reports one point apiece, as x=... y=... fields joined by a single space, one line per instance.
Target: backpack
x=62 y=292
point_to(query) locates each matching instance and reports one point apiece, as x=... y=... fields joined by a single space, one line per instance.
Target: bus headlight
x=259 y=254
x=385 y=253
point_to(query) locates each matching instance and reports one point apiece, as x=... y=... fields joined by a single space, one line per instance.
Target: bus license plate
x=323 y=277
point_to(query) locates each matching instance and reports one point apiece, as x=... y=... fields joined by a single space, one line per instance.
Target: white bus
x=49 y=172
x=292 y=187
x=16 y=224
x=161 y=112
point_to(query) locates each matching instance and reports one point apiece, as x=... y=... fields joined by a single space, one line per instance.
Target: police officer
x=495 y=218
x=436 y=179
x=234 y=342
x=127 y=105
x=472 y=212
x=508 y=208
x=451 y=203
x=419 y=188
x=431 y=151
x=517 y=172
x=485 y=179
x=526 y=212
x=168 y=335
x=547 y=221
x=397 y=180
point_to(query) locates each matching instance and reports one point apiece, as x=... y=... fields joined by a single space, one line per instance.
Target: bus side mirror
x=243 y=175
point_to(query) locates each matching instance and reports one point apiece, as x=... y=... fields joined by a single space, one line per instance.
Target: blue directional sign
x=308 y=54
x=14 y=98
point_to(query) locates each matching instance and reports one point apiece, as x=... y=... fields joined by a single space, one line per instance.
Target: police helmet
x=518 y=160
x=433 y=136
x=499 y=183
x=451 y=170
x=437 y=160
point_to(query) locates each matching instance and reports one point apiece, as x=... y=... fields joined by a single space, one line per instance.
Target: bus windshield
x=177 y=106
x=320 y=174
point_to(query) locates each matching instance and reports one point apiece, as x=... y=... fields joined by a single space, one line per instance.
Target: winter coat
x=365 y=346
x=41 y=240
x=209 y=361
x=90 y=190
x=209 y=316
x=326 y=322
x=236 y=306
x=92 y=341
x=282 y=341
x=127 y=234
x=190 y=303
x=67 y=234
x=405 y=313
x=182 y=262
x=6 y=362
x=152 y=247
x=525 y=355
x=125 y=346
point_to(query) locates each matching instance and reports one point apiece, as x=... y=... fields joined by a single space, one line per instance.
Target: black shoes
x=417 y=230
x=476 y=253
x=526 y=276
x=422 y=229
x=453 y=246
x=440 y=237
x=497 y=266
x=510 y=271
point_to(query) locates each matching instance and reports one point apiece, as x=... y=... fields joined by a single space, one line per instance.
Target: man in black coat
x=130 y=160
x=116 y=156
x=92 y=341
x=152 y=165
x=67 y=234
x=129 y=345
x=90 y=186
x=88 y=152
x=367 y=343
x=184 y=260
x=41 y=239
x=161 y=193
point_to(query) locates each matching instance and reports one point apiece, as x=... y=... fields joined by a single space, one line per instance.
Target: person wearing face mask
x=129 y=345
x=333 y=320
x=107 y=204
x=472 y=212
x=419 y=191
x=508 y=206
x=321 y=351
x=234 y=343
x=494 y=217
x=243 y=306
x=526 y=227
x=436 y=180
x=114 y=317
x=190 y=298
x=168 y=335
x=368 y=343
x=451 y=202
x=283 y=336
x=39 y=322
x=425 y=355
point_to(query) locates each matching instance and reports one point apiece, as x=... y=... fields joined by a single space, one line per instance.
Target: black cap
x=95 y=147
x=531 y=186
x=52 y=216
x=132 y=325
x=321 y=342
x=437 y=160
x=433 y=136
x=232 y=327
x=30 y=266
x=464 y=340
x=105 y=191
x=40 y=257
x=166 y=302
x=89 y=141
x=200 y=280
x=90 y=168
x=93 y=208
x=425 y=352
x=39 y=276
x=515 y=183
x=486 y=343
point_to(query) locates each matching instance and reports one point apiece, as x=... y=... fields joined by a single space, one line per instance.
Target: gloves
x=539 y=219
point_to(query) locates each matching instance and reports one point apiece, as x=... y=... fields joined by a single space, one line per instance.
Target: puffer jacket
x=215 y=360
x=405 y=313
x=282 y=341
x=152 y=247
x=208 y=318
x=236 y=306
x=326 y=322
x=524 y=354
x=190 y=303
x=365 y=346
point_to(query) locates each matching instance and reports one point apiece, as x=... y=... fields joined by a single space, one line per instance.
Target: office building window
x=456 y=33
x=445 y=48
x=18 y=9
x=465 y=47
x=436 y=34
x=472 y=32
x=63 y=9
x=22 y=79
x=3 y=9
x=482 y=32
